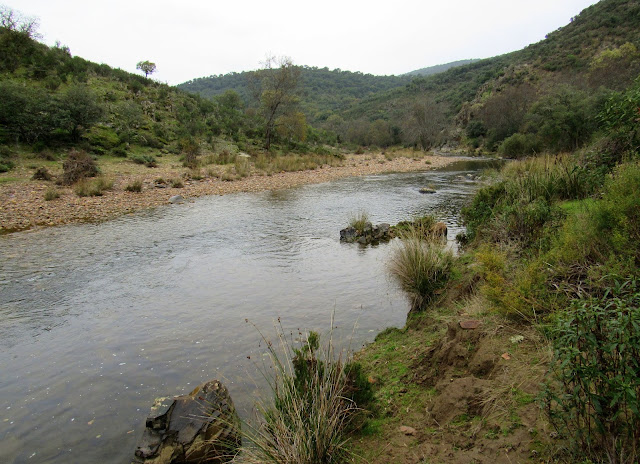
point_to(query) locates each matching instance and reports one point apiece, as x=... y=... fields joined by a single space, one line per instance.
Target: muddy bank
x=24 y=205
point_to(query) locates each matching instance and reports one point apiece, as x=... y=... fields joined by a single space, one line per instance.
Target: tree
x=424 y=123
x=82 y=107
x=276 y=87
x=147 y=67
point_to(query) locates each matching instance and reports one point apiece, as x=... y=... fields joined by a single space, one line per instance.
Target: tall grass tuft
x=359 y=220
x=421 y=267
x=92 y=188
x=307 y=420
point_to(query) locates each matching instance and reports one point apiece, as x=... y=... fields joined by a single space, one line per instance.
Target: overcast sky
x=197 y=38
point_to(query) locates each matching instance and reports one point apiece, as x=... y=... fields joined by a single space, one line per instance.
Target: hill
x=439 y=68
x=487 y=101
x=322 y=91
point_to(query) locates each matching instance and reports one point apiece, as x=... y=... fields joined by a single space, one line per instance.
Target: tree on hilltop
x=147 y=67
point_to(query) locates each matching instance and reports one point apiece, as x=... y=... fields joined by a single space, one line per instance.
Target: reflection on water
x=98 y=320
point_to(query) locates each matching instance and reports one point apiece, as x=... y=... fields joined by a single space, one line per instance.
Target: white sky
x=197 y=38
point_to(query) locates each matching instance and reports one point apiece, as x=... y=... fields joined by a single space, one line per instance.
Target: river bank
x=24 y=205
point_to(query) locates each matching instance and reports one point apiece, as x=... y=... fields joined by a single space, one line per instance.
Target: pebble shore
x=23 y=205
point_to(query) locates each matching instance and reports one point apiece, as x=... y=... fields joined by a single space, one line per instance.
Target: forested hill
x=485 y=102
x=322 y=91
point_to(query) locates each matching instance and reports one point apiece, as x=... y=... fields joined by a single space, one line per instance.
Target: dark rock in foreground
x=200 y=427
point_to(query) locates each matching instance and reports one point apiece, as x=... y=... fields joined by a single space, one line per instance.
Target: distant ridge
x=428 y=71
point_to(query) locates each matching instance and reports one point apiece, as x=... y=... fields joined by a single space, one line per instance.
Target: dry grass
x=421 y=267
x=306 y=421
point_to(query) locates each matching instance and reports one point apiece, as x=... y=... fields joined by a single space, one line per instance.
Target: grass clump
x=313 y=405
x=51 y=194
x=359 y=220
x=92 y=188
x=135 y=186
x=421 y=267
x=242 y=167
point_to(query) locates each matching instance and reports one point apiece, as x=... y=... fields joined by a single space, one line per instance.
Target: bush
x=519 y=145
x=148 y=160
x=593 y=396
x=243 y=167
x=41 y=174
x=78 y=165
x=421 y=267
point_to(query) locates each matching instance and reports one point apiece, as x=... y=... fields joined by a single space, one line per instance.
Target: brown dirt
x=479 y=406
x=24 y=206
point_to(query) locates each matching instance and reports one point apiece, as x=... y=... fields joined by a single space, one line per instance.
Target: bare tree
x=16 y=22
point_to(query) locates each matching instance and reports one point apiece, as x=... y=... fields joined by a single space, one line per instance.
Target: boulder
x=427 y=190
x=349 y=234
x=199 y=427
x=176 y=199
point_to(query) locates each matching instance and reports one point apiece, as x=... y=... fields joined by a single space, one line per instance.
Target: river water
x=97 y=320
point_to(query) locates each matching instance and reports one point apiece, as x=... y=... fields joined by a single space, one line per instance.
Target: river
x=97 y=320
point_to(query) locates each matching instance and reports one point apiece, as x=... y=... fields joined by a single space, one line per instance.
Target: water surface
x=97 y=320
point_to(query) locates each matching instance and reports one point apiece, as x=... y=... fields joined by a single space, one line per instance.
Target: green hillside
x=485 y=102
x=322 y=91
x=428 y=71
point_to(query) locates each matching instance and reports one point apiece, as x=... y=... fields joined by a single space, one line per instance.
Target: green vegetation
x=92 y=188
x=135 y=186
x=593 y=394
x=359 y=220
x=317 y=395
x=51 y=194
x=421 y=266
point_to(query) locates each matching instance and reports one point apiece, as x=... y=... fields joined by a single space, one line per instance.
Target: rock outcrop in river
x=200 y=427
x=370 y=234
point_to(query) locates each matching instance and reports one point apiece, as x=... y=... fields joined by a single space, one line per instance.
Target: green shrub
x=422 y=225
x=519 y=146
x=6 y=165
x=148 y=160
x=593 y=395
x=421 y=267
x=78 y=165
